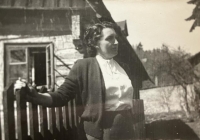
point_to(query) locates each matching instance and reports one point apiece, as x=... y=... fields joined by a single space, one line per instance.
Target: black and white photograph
x=99 y=70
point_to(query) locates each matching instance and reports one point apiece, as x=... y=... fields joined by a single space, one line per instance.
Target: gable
x=123 y=26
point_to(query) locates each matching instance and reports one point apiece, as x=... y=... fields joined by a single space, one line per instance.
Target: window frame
x=26 y=46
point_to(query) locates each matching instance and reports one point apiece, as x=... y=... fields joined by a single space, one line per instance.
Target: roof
x=123 y=26
x=35 y=22
x=195 y=59
x=38 y=17
x=42 y=4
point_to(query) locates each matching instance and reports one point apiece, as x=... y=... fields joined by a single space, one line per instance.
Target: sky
x=157 y=22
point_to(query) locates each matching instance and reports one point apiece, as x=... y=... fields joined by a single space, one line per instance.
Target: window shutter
x=50 y=67
x=16 y=64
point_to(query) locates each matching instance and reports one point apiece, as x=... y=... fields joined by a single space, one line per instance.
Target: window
x=33 y=62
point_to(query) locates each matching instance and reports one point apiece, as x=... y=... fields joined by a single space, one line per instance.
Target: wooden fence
x=27 y=121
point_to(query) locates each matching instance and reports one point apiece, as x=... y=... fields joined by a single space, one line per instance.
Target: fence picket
x=30 y=121
x=70 y=115
x=65 y=118
x=71 y=120
x=50 y=123
x=33 y=121
x=40 y=118
x=62 y=130
x=76 y=122
x=47 y=135
x=57 y=115
x=53 y=116
x=66 y=124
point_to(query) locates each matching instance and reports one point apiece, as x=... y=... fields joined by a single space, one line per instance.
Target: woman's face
x=107 y=46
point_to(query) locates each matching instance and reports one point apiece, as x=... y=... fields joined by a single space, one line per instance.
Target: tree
x=178 y=68
x=195 y=14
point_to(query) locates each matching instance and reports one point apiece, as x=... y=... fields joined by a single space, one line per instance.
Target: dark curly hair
x=93 y=34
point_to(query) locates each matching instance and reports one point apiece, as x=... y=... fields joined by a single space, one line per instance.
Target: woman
x=101 y=86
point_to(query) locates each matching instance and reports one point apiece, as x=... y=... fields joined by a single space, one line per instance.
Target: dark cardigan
x=85 y=82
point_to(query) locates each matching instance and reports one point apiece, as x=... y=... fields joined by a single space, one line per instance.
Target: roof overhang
x=126 y=52
x=195 y=59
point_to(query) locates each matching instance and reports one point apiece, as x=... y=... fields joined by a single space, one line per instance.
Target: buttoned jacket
x=85 y=83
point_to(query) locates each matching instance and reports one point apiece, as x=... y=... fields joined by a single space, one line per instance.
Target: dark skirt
x=118 y=125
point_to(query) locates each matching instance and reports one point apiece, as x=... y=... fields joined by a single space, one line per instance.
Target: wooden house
x=41 y=39
x=32 y=33
x=36 y=39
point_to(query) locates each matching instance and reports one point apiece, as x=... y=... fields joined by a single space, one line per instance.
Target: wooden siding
x=35 y=22
x=42 y=4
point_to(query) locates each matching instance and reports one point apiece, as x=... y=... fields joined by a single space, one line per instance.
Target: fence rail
x=27 y=121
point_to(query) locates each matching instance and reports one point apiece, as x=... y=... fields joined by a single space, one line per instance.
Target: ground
x=170 y=126
x=164 y=124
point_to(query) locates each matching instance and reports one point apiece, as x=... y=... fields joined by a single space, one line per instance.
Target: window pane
x=17 y=56
x=17 y=71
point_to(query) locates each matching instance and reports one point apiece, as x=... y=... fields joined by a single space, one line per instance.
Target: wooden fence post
x=22 y=129
x=138 y=119
x=33 y=120
x=8 y=111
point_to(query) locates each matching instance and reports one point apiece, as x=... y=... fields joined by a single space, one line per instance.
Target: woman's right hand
x=30 y=91
x=32 y=95
x=19 y=84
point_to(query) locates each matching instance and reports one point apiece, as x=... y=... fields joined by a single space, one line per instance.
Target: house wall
x=63 y=48
x=159 y=100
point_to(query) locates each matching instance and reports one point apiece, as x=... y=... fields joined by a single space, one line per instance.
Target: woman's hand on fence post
x=19 y=84
x=32 y=95
x=30 y=91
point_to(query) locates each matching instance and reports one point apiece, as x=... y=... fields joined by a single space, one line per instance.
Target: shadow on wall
x=170 y=129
